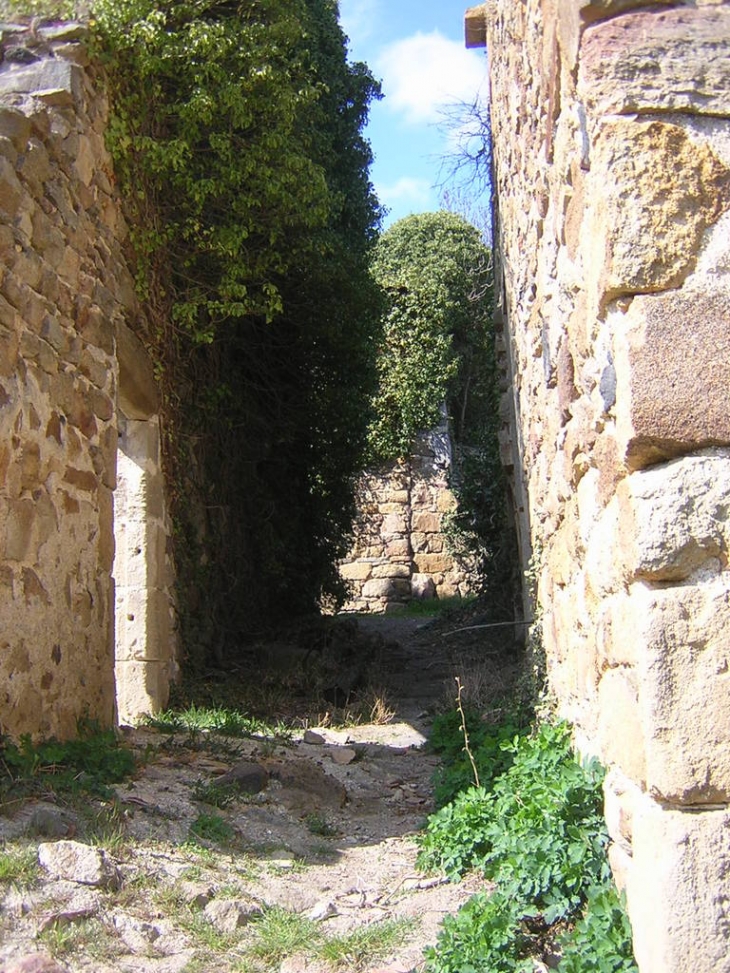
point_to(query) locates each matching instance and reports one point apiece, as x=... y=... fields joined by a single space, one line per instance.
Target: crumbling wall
x=66 y=298
x=611 y=125
x=401 y=551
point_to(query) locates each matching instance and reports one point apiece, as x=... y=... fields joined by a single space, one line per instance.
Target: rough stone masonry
x=611 y=126
x=76 y=393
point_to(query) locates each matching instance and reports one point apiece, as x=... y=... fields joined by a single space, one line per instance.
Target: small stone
x=343 y=756
x=137 y=935
x=322 y=910
x=196 y=894
x=52 y=823
x=20 y=55
x=314 y=738
x=248 y=777
x=76 y=862
x=228 y=915
x=74 y=911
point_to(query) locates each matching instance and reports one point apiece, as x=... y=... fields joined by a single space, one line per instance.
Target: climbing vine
x=438 y=352
x=236 y=133
x=436 y=273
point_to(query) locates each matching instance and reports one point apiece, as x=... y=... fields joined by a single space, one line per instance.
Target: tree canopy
x=436 y=274
x=237 y=137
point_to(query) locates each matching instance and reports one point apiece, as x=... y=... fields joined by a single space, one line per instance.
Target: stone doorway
x=145 y=646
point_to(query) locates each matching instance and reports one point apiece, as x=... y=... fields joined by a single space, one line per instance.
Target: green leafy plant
x=211 y=827
x=319 y=825
x=601 y=939
x=537 y=832
x=89 y=763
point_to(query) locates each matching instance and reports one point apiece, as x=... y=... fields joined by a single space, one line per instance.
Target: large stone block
x=678 y=889
x=684 y=694
x=142 y=689
x=620 y=735
x=658 y=59
x=356 y=571
x=56 y=81
x=674 y=519
x=648 y=218
x=672 y=355
x=425 y=522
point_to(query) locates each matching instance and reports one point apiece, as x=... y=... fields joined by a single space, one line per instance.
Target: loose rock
x=228 y=915
x=248 y=777
x=76 y=862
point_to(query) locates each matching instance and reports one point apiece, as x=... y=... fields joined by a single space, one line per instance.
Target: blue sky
x=416 y=49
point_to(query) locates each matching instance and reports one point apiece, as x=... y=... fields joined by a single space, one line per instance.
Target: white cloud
x=358 y=18
x=424 y=72
x=404 y=191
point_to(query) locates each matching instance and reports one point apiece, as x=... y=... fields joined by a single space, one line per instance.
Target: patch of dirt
x=210 y=831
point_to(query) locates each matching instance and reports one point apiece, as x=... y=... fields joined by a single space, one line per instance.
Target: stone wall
x=611 y=124
x=401 y=552
x=68 y=363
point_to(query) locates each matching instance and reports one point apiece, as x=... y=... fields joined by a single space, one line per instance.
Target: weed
x=211 y=827
x=18 y=865
x=280 y=933
x=319 y=825
x=217 y=795
x=601 y=939
x=87 y=764
x=492 y=749
x=358 y=949
x=535 y=830
x=218 y=720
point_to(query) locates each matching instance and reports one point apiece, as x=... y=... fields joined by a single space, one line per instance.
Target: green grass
x=279 y=934
x=18 y=865
x=365 y=945
x=221 y=720
x=435 y=607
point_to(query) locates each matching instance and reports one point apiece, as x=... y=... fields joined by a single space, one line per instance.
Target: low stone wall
x=612 y=153
x=67 y=359
x=401 y=552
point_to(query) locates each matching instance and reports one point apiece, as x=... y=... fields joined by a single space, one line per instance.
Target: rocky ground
x=284 y=854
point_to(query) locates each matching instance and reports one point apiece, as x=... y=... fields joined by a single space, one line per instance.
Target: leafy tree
x=237 y=137
x=436 y=273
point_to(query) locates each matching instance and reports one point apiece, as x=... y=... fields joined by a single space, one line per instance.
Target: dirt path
x=316 y=832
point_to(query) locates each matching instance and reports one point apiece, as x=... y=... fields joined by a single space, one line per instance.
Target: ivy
x=236 y=133
x=436 y=273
